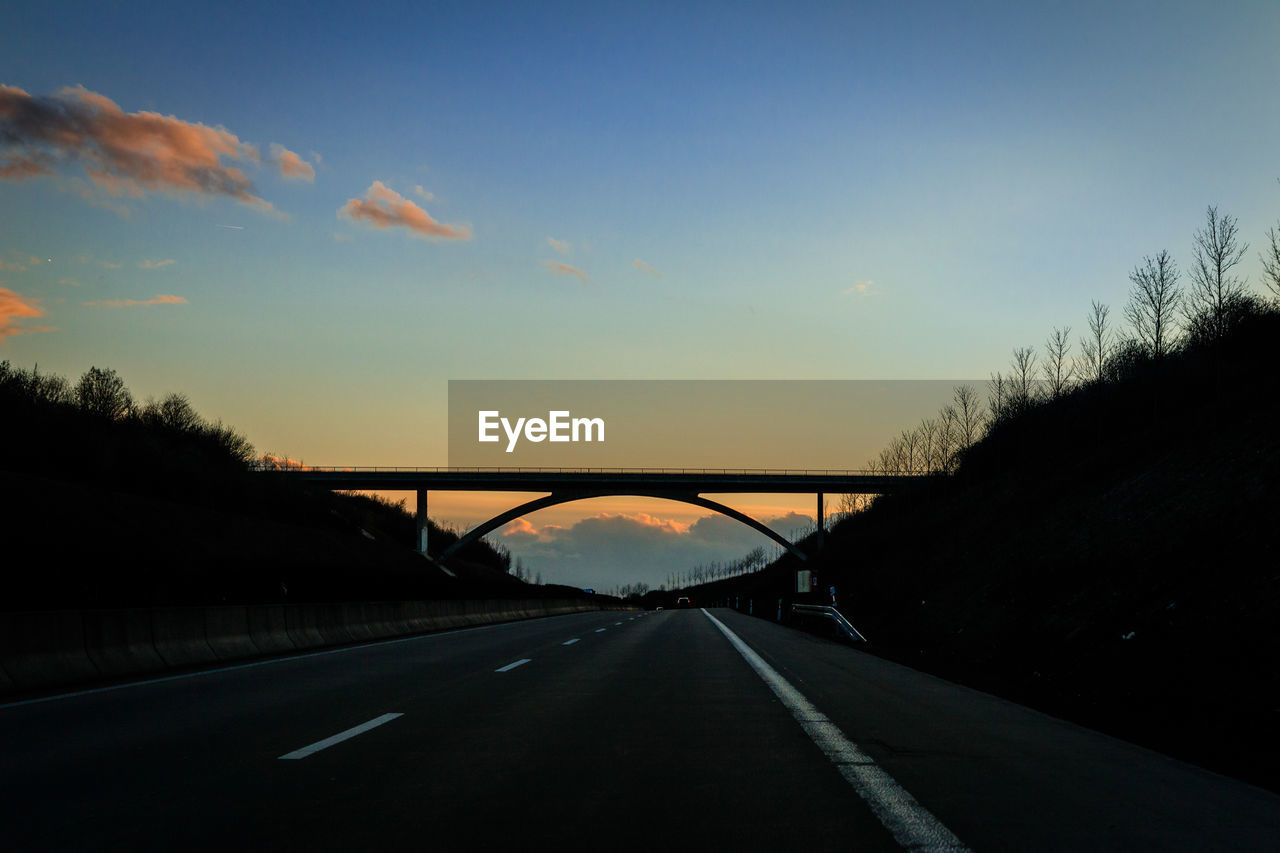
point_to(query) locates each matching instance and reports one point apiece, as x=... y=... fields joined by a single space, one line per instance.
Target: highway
x=598 y=731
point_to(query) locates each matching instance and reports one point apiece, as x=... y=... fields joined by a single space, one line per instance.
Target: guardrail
x=828 y=612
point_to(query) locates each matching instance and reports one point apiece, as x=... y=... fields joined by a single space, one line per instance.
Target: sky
x=309 y=217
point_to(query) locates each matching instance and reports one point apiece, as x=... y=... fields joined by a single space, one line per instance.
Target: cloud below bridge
x=611 y=549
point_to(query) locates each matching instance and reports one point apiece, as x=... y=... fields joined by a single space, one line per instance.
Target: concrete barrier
x=121 y=642
x=180 y=636
x=300 y=621
x=228 y=633
x=332 y=625
x=42 y=650
x=45 y=648
x=267 y=628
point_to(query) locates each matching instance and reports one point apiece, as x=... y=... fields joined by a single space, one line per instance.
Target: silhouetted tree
x=1022 y=378
x=1097 y=345
x=1153 y=300
x=173 y=412
x=968 y=416
x=103 y=392
x=1058 y=368
x=1270 y=256
x=1215 y=290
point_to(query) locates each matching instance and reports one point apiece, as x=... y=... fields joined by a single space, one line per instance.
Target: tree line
x=1168 y=310
x=102 y=393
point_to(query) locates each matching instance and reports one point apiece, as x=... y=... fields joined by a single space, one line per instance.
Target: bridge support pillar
x=420 y=521
x=821 y=530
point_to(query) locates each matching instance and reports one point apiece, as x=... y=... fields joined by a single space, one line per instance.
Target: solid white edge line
x=512 y=666
x=911 y=824
x=269 y=661
x=339 y=737
x=569 y=642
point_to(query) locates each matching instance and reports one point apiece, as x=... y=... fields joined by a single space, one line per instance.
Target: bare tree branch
x=1153 y=299
x=1214 y=290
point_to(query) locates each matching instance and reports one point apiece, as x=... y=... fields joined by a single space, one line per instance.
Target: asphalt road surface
x=600 y=731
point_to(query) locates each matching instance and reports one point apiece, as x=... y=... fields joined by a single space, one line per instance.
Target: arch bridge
x=564 y=485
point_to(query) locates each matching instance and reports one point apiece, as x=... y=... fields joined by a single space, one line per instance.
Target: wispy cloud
x=69 y=281
x=123 y=154
x=155 y=265
x=15 y=267
x=564 y=269
x=110 y=265
x=426 y=194
x=290 y=164
x=231 y=227
x=643 y=267
x=866 y=287
x=15 y=307
x=341 y=238
x=560 y=246
x=160 y=299
x=383 y=207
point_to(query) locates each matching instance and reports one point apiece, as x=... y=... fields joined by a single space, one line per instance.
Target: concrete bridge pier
x=821 y=531
x=420 y=521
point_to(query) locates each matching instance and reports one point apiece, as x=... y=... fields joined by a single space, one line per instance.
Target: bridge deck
x=713 y=481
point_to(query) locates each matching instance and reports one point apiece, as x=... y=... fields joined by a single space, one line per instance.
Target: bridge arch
x=557 y=498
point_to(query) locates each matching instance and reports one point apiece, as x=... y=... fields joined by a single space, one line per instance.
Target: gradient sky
x=685 y=190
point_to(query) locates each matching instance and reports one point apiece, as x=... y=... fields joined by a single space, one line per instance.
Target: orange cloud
x=561 y=246
x=282 y=463
x=155 y=265
x=14 y=306
x=21 y=167
x=520 y=527
x=6 y=265
x=124 y=154
x=643 y=267
x=291 y=165
x=161 y=299
x=564 y=269
x=523 y=528
x=383 y=207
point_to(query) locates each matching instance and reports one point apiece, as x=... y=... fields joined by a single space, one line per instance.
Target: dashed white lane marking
x=599 y=630
x=339 y=737
x=569 y=642
x=616 y=624
x=911 y=824
x=512 y=666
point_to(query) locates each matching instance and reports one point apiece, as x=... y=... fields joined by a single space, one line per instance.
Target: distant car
x=656 y=609
x=683 y=601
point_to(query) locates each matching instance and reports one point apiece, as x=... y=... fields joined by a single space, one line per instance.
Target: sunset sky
x=309 y=217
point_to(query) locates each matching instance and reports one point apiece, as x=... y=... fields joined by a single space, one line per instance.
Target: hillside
x=108 y=503
x=1108 y=556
